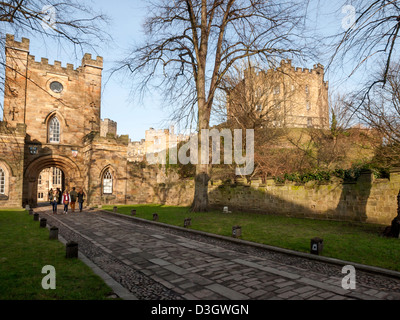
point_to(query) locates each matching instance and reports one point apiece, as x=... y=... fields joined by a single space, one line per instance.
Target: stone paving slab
x=190 y=269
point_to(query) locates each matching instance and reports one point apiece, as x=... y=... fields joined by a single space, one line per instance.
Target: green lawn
x=355 y=242
x=25 y=250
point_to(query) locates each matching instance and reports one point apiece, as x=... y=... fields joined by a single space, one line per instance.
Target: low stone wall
x=367 y=200
x=149 y=185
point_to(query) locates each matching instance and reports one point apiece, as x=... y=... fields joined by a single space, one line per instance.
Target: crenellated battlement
x=287 y=66
x=57 y=65
x=13 y=44
x=87 y=61
x=24 y=44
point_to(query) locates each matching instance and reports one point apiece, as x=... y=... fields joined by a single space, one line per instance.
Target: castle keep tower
x=287 y=96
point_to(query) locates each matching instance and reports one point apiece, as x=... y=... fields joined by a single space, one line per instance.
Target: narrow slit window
x=2 y=182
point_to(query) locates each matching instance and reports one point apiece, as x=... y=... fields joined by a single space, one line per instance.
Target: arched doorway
x=49 y=179
x=71 y=176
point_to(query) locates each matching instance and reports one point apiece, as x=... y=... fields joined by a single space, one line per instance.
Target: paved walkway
x=156 y=263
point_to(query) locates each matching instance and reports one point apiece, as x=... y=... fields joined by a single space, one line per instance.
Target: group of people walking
x=66 y=198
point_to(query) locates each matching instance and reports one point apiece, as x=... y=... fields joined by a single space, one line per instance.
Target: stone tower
x=52 y=109
x=37 y=91
x=298 y=96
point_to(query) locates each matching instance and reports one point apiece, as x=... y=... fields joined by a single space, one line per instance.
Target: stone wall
x=105 y=154
x=367 y=200
x=108 y=127
x=148 y=185
x=12 y=164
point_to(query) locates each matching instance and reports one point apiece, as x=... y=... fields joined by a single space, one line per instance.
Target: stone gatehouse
x=52 y=120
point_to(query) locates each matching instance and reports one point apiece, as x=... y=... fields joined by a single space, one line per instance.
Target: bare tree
x=372 y=37
x=66 y=22
x=381 y=112
x=192 y=44
x=256 y=98
x=72 y=20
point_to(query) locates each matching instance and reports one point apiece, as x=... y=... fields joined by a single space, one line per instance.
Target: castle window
x=308 y=106
x=56 y=87
x=107 y=183
x=277 y=90
x=2 y=182
x=57 y=176
x=307 y=90
x=40 y=180
x=259 y=108
x=310 y=122
x=54 y=130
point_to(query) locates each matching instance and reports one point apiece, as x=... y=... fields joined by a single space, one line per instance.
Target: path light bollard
x=53 y=233
x=133 y=212
x=115 y=209
x=36 y=217
x=43 y=223
x=317 y=246
x=155 y=217
x=237 y=231
x=27 y=207
x=187 y=223
x=71 y=250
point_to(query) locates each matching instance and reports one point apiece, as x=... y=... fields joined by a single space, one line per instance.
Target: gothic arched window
x=2 y=182
x=107 y=183
x=57 y=176
x=54 y=130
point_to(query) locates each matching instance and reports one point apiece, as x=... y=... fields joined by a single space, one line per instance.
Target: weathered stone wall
x=102 y=154
x=147 y=185
x=367 y=200
x=108 y=127
x=12 y=163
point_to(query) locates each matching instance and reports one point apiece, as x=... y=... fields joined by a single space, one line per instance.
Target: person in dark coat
x=81 y=199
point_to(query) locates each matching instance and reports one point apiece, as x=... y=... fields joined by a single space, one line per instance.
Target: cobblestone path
x=158 y=263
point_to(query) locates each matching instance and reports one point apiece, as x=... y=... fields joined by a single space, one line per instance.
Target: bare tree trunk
x=200 y=201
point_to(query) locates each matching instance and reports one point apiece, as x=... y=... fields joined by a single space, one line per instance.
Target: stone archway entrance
x=49 y=179
x=72 y=176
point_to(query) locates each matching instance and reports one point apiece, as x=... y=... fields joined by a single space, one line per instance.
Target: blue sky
x=133 y=117
x=127 y=16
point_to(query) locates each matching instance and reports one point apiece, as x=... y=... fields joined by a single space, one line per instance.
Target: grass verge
x=25 y=249
x=350 y=241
